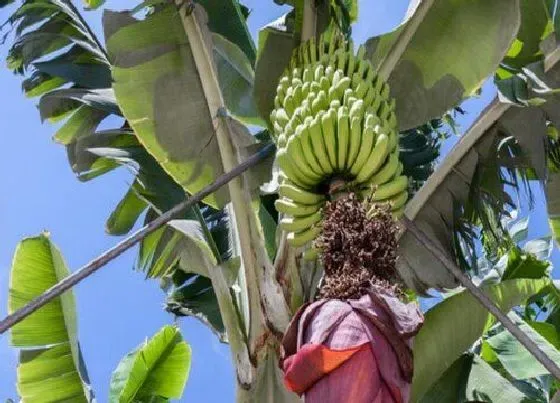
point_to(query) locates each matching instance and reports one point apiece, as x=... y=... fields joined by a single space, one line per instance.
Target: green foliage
x=443 y=339
x=156 y=371
x=469 y=379
x=164 y=86
x=515 y=359
x=443 y=61
x=50 y=362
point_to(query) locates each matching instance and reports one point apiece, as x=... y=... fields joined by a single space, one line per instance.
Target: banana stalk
x=257 y=271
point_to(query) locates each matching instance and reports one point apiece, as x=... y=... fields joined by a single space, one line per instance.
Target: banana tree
x=293 y=241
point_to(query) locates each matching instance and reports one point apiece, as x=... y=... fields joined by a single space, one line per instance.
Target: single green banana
x=285 y=82
x=297 y=224
x=287 y=165
x=393 y=138
x=390 y=189
x=357 y=109
x=308 y=74
x=295 y=152
x=318 y=143
x=286 y=206
x=306 y=89
x=342 y=86
x=347 y=96
x=298 y=239
x=393 y=120
x=371 y=73
x=298 y=94
x=366 y=145
x=384 y=111
x=312 y=50
x=385 y=91
x=332 y=95
x=281 y=141
x=329 y=74
x=371 y=94
x=343 y=136
x=296 y=80
x=351 y=100
x=338 y=75
x=335 y=104
x=387 y=171
x=355 y=139
x=299 y=195
x=398 y=201
x=362 y=89
x=342 y=60
x=319 y=72
x=328 y=122
x=282 y=117
x=289 y=104
x=400 y=170
x=325 y=84
x=315 y=87
x=375 y=159
x=307 y=148
x=320 y=103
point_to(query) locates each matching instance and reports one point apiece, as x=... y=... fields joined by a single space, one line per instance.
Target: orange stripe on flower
x=312 y=362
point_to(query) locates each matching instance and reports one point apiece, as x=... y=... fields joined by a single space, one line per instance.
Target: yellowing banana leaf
x=452 y=326
x=448 y=49
x=158 y=369
x=50 y=362
x=160 y=92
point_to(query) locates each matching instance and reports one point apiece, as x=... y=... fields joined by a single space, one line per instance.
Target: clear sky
x=117 y=308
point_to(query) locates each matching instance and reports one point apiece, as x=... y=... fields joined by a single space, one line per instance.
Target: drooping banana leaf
x=442 y=53
x=503 y=145
x=156 y=371
x=443 y=338
x=55 y=47
x=50 y=362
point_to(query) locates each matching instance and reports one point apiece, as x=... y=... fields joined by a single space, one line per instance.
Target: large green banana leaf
x=444 y=50
x=469 y=186
x=452 y=326
x=156 y=371
x=159 y=89
x=515 y=358
x=471 y=379
x=50 y=362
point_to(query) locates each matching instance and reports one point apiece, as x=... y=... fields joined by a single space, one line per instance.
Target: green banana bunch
x=333 y=120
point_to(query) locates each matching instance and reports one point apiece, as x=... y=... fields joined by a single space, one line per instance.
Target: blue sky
x=117 y=308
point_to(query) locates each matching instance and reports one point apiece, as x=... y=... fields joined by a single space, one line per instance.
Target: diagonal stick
x=125 y=244
x=483 y=299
